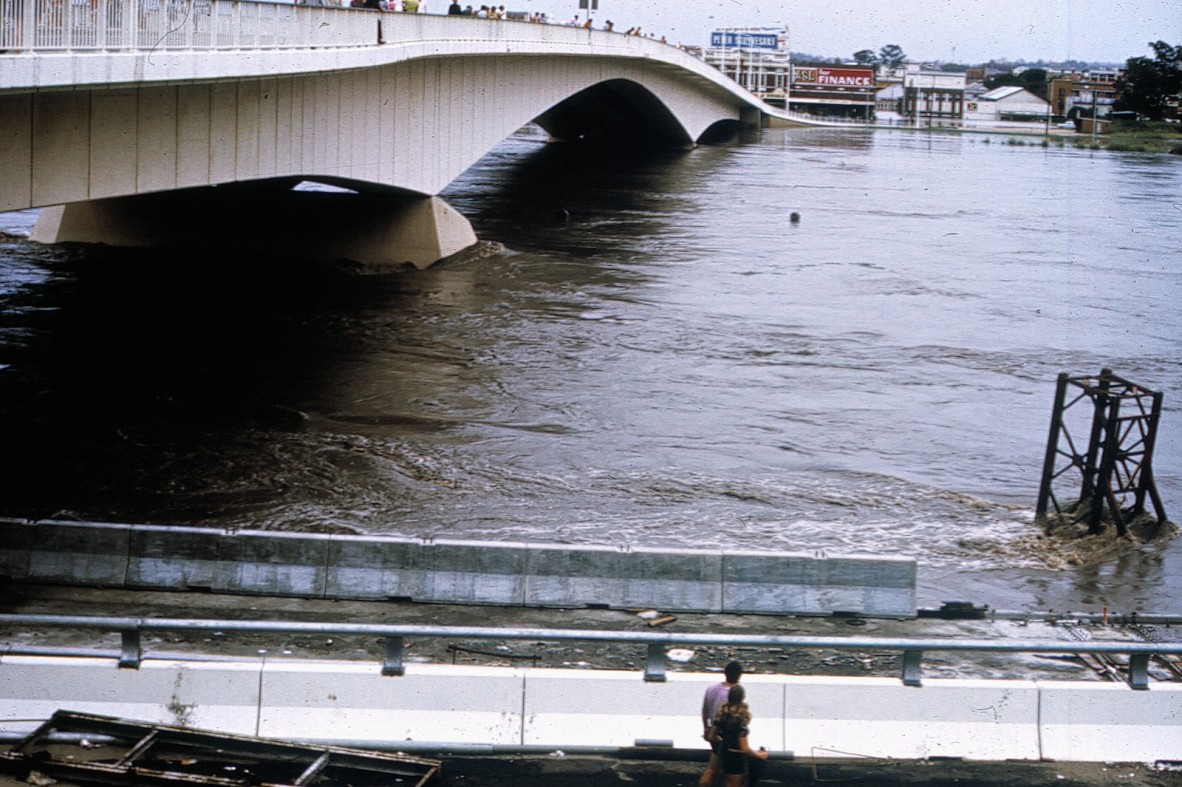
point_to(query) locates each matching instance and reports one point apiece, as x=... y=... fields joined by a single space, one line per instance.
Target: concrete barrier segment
x=228 y=561
x=65 y=552
x=879 y=717
x=623 y=578
x=431 y=702
x=477 y=572
x=221 y=696
x=1108 y=722
x=362 y=567
x=611 y=708
x=778 y=583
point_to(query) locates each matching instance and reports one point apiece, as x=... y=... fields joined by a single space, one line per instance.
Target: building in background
x=1007 y=104
x=834 y=91
x=1091 y=93
x=933 y=96
x=757 y=58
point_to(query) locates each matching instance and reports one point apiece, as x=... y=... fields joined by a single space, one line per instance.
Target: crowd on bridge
x=481 y=12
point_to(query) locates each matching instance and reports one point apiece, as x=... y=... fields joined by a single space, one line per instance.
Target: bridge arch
x=403 y=103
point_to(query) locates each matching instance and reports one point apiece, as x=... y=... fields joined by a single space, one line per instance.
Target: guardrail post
x=393 y=662
x=912 y=667
x=1139 y=670
x=132 y=653
x=654 y=667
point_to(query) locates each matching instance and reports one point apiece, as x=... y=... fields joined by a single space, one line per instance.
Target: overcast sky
x=967 y=31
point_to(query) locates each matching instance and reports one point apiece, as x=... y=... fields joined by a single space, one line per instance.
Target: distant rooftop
x=999 y=93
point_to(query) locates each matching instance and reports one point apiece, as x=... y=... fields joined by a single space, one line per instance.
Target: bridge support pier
x=373 y=229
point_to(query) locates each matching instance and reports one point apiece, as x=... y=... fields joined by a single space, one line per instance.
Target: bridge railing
x=85 y=26
x=1138 y=653
x=129 y=25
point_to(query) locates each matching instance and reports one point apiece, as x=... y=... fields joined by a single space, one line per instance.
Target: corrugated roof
x=998 y=93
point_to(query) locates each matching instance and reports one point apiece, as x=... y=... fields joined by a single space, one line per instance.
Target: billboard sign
x=735 y=39
x=834 y=77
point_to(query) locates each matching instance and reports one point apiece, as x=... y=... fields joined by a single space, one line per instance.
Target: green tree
x=866 y=57
x=1147 y=87
x=1033 y=79
x=1002 y=80
x=891 y=55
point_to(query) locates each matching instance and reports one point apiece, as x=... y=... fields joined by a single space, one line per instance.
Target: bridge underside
x=619 y=111
x=373 y=228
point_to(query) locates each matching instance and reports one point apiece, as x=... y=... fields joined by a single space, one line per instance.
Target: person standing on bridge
x=732 y=725
x=410 y=6
x=712 y=702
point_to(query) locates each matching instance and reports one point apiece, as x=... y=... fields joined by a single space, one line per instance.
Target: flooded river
x=657 y=356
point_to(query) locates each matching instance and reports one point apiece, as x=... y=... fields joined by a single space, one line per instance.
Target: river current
x=646 y=351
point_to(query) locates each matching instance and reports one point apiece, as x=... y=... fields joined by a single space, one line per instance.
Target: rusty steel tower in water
x=1116 y=467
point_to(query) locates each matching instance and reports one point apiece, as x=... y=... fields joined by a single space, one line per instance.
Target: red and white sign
x=835 y=77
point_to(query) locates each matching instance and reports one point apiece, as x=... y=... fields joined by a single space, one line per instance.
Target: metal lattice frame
x=1118 y=462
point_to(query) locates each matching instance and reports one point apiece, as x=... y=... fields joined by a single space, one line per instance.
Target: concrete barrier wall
x=220 y=696
x=449 y=704
x=1100 y=722
x=241 y=561
x=428 y=703
x=617 y=709
x=66 y=553
x=453 y=571
x=973 y=719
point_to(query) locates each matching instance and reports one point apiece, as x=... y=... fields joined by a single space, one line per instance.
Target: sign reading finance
x=839 y=77
x=733 y=39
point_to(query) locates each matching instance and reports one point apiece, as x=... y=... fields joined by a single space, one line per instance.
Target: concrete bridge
x=165 y=122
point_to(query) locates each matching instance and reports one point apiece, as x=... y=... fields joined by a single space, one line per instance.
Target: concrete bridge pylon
x=373 y=229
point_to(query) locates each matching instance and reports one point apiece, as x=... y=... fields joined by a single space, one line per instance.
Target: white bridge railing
x=81 y=26
x=110 y=26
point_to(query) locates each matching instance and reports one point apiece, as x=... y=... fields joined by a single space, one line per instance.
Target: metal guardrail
x=912 y=649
